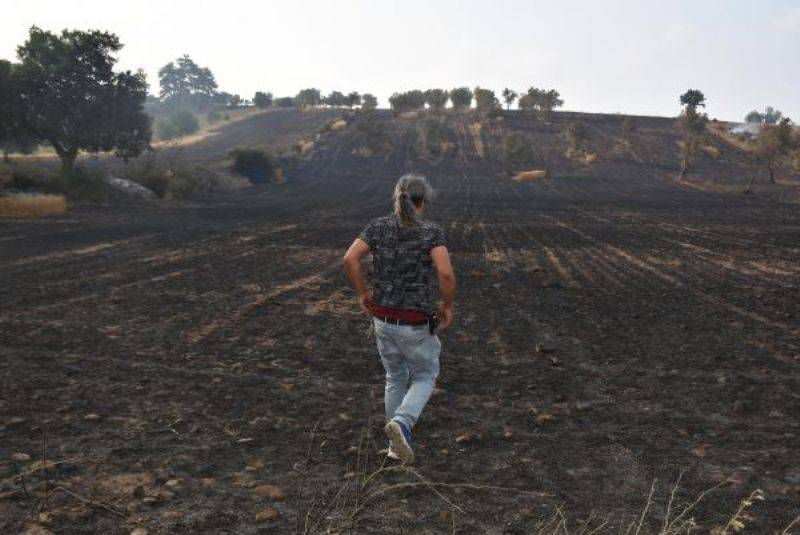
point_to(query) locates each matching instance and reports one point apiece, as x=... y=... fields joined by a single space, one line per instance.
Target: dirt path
x=611 y=331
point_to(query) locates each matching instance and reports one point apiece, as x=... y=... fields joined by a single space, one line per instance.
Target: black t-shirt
x=401 y=261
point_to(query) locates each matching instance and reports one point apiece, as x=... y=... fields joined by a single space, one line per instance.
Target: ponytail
x=409 y=193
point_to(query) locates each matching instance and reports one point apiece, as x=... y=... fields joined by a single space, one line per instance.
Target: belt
x=395 y=321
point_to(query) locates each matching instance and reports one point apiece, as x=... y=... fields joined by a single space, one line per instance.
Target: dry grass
x=344 y=509
x=530 y=176
x=32 y=205
x=475 y=130
x=341 y=124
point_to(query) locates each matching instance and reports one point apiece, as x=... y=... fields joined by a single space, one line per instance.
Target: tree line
x=777 y=142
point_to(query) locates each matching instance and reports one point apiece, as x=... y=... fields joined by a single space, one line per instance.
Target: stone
x=21 y=457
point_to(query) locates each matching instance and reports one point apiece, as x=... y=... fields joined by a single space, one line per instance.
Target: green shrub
x=432 y=132
x=148 y=172
x=165 y=129
x=85 y=185
x=518 y=148
x=213 y=116
x=179 y=123
x=185 y=122
x=184 y=182
x=254 y=164
x=284 y=102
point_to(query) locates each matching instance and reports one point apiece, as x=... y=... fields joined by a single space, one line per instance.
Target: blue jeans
x=410 y=356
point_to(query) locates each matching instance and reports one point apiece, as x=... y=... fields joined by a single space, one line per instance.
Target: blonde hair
x=410 y=192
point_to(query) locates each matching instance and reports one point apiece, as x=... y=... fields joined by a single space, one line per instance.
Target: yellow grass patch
x=339 y=125
x=475 y=130
x=530 y=176
x=32 y=205
x=408 y=115
x=304 y=147
x=711 y=151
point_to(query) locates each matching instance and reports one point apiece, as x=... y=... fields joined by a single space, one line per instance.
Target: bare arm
x=447 y=284
x=352 y=265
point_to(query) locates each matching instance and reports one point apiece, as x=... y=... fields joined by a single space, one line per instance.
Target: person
x=405 y=248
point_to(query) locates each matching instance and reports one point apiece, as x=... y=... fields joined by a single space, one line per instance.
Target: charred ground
x=613 y=328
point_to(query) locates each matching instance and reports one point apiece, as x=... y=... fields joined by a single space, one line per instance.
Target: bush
x=284 y=102
x=150 y=174
x=179 y=123
x=165 y=129
x=213 y=116
x=432 y=132
x=518 y=148
x=184 y=182
x=256 y=165
x=185 y=122
x=86 y=185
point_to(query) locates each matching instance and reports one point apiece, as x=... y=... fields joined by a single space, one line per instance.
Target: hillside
x=614 y=330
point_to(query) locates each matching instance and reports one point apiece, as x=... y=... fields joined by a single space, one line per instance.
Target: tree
x=284 y=102
x=773 y=146
x=185 y=83
x=461 y=97
x=518 y=148
x=352 y=99
x=540 y=101
x=368 y=102
x=692 y=99
x=407 y=101
x=436 y=99
x=486 y=102
x=754 y=117
x=75 y=101
x=262 y=100
x=575 y=135
x=235 y=101
x=335 y=100
x=509 y=96
x=14 y=136
x=691 y=127
x=770 y=116
x=308 y=98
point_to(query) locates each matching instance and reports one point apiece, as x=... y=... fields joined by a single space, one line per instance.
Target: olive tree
x=691 y=127
x=461 y=97
x=74 y=100
x=436 y=99
x=509 y=96
x=773 y=146
x=368 y=102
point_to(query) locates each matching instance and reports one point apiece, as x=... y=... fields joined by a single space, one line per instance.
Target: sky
x=611 y=56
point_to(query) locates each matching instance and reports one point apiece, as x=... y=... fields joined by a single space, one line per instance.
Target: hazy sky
x=630 y=56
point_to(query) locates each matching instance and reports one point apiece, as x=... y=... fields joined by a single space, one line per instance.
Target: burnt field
x=202 y=367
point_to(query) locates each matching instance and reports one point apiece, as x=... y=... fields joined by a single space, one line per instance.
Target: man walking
x=405 y=247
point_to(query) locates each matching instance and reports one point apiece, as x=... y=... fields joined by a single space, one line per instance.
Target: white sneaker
x=401 y=439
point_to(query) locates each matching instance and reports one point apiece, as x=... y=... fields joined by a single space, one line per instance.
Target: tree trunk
x=6 y=157
x=68 y=160
x=752 y=181
x=771 y=175
x=684 y=169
